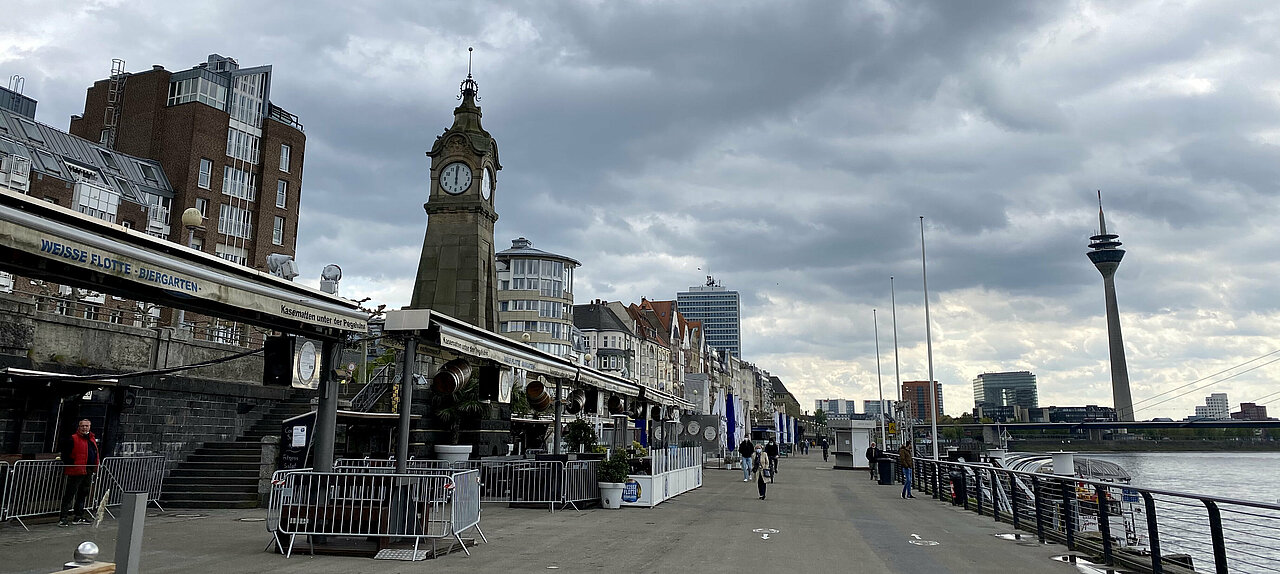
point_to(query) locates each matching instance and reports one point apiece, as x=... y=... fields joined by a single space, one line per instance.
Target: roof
x=598 y=317
x=778 y=387
x=524 y=248
x=66 y=157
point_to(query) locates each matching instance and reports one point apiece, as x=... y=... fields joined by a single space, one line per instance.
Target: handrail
x=373 y=390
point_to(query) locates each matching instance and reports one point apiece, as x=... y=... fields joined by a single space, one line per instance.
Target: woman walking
x=760 y=463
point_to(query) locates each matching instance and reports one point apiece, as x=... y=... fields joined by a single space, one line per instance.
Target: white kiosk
x=852 y=440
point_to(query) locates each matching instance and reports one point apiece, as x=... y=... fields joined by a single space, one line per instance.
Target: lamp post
x=928 y=340
x=192 y=220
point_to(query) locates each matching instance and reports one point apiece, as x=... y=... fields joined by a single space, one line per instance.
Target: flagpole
x=928 y=341
x=879 y=381
x=897 y=376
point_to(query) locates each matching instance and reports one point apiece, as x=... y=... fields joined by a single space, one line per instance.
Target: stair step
x=225 y=458
x=231 y=481
x=238 y=489
x=210 y=496
x=213 y=472
x=210 y=504
x=228 y=446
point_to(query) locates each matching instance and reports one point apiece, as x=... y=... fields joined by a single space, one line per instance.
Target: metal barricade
x=4 y=490
x=580 y=484
x=34 y=488
x=120 y=474
x=383 y=465
x=521 y=481
x=383 y=505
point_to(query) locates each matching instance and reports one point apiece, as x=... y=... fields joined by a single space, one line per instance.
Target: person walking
x=906 y=461
x=873 y=455
x=761 y=463
x=825 y=447
x=771 y=449
x=746 y=449
x=79 y=462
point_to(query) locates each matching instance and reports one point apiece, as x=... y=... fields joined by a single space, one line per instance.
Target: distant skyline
x=788 y=150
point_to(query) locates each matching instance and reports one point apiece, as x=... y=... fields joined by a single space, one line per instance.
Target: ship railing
x=1125 y=525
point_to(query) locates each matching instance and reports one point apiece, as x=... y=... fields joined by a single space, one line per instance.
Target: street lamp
x=192 y=220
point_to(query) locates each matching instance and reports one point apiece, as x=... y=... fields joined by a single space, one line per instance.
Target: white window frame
x=282 y=193
x=206 y=173
x=277 y=231
x=285 y=152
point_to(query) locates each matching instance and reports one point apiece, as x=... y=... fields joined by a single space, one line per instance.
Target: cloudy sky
x=789 y=149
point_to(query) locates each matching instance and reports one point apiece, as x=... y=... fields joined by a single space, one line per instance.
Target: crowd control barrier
x=675 y=472
x=35 y=487
x=385 y=506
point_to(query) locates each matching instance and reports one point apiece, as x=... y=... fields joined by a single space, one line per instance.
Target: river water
x=1252 y=537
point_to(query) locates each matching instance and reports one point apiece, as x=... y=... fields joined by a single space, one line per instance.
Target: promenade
x=816 y=520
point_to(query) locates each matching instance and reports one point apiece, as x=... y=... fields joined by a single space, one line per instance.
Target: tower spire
x=469 y=88
x=1102 y=221
x=1105 y=253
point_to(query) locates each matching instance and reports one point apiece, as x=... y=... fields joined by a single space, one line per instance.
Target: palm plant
x=461 y=406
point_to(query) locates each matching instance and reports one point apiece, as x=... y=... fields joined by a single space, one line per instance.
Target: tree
x=820 y=417
x=462 y=406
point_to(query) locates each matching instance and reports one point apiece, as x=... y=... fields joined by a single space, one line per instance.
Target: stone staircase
x=225 y=474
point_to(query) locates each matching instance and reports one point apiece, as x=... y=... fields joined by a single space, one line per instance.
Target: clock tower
x=456 y=275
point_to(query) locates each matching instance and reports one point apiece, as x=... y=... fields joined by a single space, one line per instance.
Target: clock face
x=486 y=183
x=307 y=363
x=694 y=427
x=657 y=432
x=455 y=178
x=709 y=433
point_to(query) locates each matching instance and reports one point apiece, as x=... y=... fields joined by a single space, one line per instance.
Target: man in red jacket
x=79 y=462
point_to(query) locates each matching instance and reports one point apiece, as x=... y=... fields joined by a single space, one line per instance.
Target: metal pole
x=879 y=382
x=327 y=409
x=1104 y=525
x=928 y=341
x=897 y=376
x=406 y=403
x=1153 y=533
x=129 y=533
x=1215 y=532
x=555 y=448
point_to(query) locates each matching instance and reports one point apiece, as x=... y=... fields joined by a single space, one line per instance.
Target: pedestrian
x=825 y=447
x=762 y=470
x=79 y=462
x=873 y=455
x=906 y=461
x=771 y=449
x=746 y=449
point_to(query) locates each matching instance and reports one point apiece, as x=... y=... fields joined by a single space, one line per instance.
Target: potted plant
x=580 y=436
x=612 y=476
x=453 y=410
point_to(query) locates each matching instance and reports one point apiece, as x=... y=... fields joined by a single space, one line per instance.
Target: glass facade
x=720 y=312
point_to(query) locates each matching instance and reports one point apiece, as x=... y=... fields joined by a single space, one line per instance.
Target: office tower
x=720 y=312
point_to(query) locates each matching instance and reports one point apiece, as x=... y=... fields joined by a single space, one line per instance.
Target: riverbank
x=1164 y=445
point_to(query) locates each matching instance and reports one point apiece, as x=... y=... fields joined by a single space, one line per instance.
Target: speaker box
x=277 y=360
x=489 y=387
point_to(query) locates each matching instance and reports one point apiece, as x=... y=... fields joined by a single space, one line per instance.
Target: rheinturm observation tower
x=1106 y=255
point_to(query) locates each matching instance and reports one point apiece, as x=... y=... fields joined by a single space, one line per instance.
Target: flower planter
x=453 y=452
x=611 y=494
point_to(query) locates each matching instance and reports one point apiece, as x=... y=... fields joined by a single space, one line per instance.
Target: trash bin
x=884 y=466
x=959 y=493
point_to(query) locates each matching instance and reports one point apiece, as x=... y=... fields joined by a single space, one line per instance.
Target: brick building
x=226 y=148
x=916 y=395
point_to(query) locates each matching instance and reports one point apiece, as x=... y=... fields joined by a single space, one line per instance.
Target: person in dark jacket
x=746 y=449
x=771 y=449
x=825 y=447
x=873 y=455
x=79 y=462
x=906 y=461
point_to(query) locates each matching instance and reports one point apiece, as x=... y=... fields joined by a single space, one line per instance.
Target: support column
x=326 y=410
x=407 y=372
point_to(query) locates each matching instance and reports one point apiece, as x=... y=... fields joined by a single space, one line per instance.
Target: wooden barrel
x=577 y=399
x=451 y=376
x=539 y=398
x=617 y=405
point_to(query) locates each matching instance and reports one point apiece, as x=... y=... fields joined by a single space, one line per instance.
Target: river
x=1253 y=538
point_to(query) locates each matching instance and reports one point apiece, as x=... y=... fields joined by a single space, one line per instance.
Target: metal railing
x=387 y=506
x=383 y=465
x=378 y=385
x=35 y=487
x=1126 y=525
x=4 y=490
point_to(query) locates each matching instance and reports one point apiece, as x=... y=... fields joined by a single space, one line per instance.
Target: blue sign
x=631 y=491
x=1130 y=495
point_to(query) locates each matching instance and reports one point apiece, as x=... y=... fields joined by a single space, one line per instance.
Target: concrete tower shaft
x=1106 y=256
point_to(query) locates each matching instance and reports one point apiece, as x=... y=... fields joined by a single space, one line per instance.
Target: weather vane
x=469 y=84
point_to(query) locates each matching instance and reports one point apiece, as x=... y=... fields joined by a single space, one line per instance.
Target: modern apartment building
x=836 y=406
x=1015 y=388
x=874 y=408
x=535 y=296
x=916 y=395
x=227 y=149
x=720 y=312
x=1215 y=407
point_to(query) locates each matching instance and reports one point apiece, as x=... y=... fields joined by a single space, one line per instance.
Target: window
x=242 y=146
x=109 y=159
x=91 y=312
x=238 y=183
x=116 y=317
x=102 y=137
x=282 y=192
x=234 y=221
x=284 y=157
x=202 y=205
x=206 y=173
x=149 y=172
x=277 y=231
x=95 y=201
x=230 y=253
